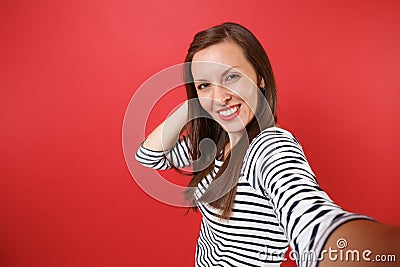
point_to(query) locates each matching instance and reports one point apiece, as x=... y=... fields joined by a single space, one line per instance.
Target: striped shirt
x=278 y=203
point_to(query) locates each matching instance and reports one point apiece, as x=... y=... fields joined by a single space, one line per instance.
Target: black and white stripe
x=178 y=156
x=278 y=203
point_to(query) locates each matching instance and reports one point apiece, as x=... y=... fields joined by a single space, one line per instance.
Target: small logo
x=341 y=243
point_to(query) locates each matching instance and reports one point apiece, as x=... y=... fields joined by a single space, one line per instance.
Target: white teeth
x=229 y=111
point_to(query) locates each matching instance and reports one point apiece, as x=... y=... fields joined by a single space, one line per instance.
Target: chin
x=233 y=128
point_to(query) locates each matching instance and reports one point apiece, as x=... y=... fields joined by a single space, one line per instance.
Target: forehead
x=217 y=58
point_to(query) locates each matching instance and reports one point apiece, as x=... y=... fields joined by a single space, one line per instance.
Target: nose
x=221 y=94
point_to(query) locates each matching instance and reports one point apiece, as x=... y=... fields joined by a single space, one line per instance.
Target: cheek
x=248 y=93
x=205 y=103
x=254 y=99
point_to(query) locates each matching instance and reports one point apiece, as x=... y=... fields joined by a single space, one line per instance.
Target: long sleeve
x=305 y=212
x=177 y=156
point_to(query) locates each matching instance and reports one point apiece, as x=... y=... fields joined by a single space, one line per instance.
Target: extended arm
x=312 y=222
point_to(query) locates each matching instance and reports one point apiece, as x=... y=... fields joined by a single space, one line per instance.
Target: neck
x=235 y=137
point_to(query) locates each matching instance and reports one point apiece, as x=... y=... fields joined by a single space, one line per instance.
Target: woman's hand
x=364 y=243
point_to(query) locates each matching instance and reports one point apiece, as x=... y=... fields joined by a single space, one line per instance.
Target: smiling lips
x=229 y=113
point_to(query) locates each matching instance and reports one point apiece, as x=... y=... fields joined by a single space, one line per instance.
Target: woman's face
x=225 y=82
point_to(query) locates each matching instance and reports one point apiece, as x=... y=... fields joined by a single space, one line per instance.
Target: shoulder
x=273 y=154
x=272 y=147
x=264 y=150
x=271 y=138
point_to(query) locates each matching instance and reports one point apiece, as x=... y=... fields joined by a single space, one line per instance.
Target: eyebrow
x=223 y=74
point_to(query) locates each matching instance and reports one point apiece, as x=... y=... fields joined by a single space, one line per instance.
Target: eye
x=203 y=85
x=232 y=77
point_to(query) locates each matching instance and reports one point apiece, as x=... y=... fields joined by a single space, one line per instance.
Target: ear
x=262 y=83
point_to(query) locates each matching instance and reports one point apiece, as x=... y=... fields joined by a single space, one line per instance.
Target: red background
x=69 y=69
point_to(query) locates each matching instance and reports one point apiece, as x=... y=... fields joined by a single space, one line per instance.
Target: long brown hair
x=201 y=127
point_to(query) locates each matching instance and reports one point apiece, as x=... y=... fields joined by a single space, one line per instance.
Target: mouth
x=229 y=113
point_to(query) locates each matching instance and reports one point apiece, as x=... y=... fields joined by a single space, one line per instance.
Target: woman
x=256 y=191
